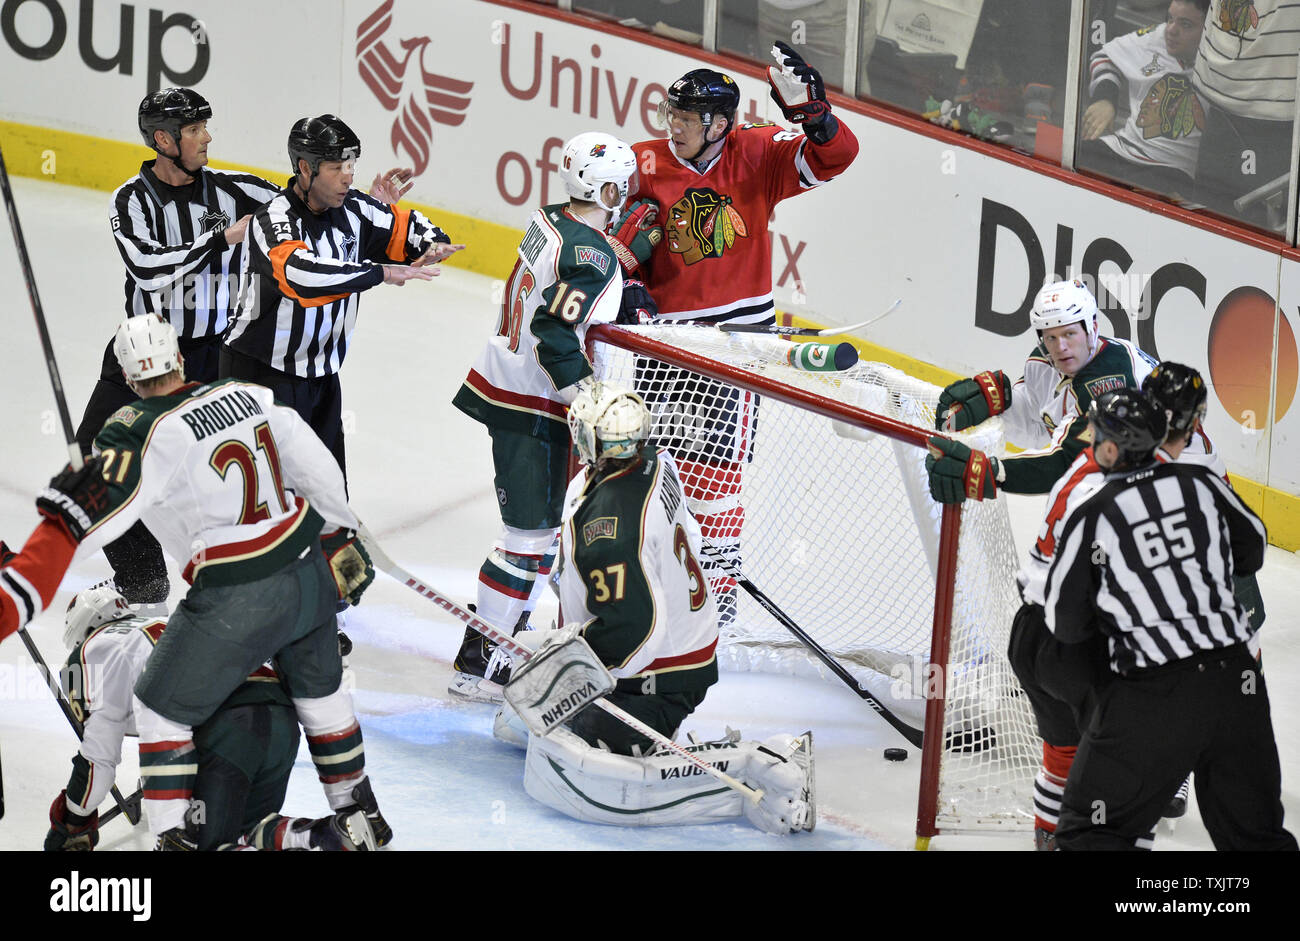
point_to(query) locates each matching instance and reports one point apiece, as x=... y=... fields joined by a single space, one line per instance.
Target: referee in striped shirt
x=179 y=227
x=1148 y=560
x=312 y=250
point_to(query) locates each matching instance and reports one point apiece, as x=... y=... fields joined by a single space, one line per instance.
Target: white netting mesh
x=834 y=522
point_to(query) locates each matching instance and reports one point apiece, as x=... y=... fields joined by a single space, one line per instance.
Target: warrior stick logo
x=439 y=98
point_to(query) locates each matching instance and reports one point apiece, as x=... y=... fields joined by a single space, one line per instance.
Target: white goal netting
x=831 y=518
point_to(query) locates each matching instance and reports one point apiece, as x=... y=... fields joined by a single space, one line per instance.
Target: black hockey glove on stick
x=637 y=307
x=76 y=498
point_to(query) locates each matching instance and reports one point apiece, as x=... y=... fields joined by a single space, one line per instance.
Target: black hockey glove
x=967 y=402
x=70 y=832
x=349 y=563
x=637 y=307
x=797 y=88
x=77 y=499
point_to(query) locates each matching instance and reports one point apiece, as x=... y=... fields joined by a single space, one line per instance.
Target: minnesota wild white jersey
x=566 y=278
x=631 y=573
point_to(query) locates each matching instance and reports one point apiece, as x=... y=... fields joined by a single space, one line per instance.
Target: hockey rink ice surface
x=420 y=476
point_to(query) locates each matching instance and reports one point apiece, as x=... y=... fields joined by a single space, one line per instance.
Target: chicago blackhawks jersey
x=715 y=262
x=564 y=279
x=233 y=485
x=631 y=574
x=99 y=679
x=1048 y=410
x=29 y=578
x=1165 y=115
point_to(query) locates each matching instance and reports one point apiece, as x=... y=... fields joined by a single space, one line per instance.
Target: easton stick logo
x=1170 y=109
x=438 y=97
x=703 y=224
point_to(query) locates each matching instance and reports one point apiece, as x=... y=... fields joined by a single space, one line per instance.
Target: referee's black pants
x=1208 y=714
x=319 y=401
x=139 y=569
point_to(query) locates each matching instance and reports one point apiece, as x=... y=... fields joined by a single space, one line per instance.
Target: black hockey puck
x=895 y=754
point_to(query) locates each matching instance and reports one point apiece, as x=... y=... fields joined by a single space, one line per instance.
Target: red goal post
x=827 y=467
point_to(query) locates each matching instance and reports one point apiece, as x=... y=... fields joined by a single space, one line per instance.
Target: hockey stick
x=131 y=803
x=132 y=811
x=909 y=733
x=384 y=563
x=74 y=451
x=804 y=331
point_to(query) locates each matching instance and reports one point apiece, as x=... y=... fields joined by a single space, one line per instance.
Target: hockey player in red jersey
x=714 y=186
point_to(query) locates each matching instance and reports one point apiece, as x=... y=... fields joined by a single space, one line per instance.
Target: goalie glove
x=967 y=402
x=69 y=832
x=797 y=87
x=957 y=473
x=637 y=307
x=76 y=498
x=349 y=563
x=636 y=234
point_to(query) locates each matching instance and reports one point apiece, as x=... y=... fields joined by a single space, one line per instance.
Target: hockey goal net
x=812 y=487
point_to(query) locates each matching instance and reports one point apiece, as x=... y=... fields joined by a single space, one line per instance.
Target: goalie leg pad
x=782 y=767
x=557 y=682
x=591 y=784
x=509 y=728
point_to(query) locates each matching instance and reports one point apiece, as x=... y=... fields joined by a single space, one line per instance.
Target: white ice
x=420 y=474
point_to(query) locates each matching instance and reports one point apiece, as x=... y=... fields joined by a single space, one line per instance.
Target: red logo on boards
x=432 y=98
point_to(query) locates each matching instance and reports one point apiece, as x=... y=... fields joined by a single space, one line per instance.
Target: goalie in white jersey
x=630 y=577
x=238 y=490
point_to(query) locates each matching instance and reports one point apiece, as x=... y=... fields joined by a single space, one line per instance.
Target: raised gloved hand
x=636 y=233
x=967 y=402
x=77 y=499
x=637 y=306
x=797 y=87
x=71 y=832
x=349 y=563
x=957 y=473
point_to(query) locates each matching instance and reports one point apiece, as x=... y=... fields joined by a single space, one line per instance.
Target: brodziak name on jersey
x=221 y=413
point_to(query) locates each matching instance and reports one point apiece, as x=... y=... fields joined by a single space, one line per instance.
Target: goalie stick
x=912 y=735
x=804 y=331
x=384 y=563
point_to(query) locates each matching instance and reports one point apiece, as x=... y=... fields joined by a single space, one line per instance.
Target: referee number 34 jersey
x=1149 y=560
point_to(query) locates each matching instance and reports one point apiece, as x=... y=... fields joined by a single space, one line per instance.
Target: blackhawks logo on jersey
x=703 y=224
x=1171 y=109
x=1238 y=16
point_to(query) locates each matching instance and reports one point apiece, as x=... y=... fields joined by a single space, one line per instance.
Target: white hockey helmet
x=91 y=608
x=593 y=159
x=1062 y=303
x=608 y=421
x=146 y=347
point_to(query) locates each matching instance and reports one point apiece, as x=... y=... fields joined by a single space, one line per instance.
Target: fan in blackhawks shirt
x=1044 y=411
x=714 y=185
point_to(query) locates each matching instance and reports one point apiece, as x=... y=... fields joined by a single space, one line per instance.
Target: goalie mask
x=1063 y=303
x=591 y=160
x=91 y=609
x=608 y=423
x=146 y=347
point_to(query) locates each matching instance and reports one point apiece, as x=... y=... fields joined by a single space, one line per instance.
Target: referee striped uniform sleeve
x=151 y=264
x=395 y=235
x=303 y=276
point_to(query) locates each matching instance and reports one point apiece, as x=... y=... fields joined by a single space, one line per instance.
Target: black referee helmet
x=170 y=109
x=1180 y=391
x=321 y=138
x=1130 y=420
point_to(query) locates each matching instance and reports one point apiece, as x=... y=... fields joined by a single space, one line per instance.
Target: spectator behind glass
x=1156 y=147
x=1245 y=72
